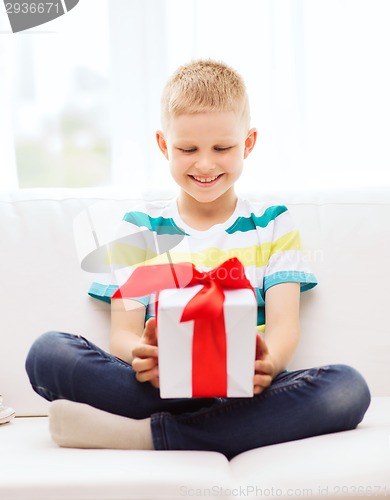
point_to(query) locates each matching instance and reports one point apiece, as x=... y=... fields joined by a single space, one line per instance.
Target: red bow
x=209 y=359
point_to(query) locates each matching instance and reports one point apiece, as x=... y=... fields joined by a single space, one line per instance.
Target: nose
x=205 y=164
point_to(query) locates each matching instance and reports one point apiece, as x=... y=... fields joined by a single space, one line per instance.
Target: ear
x=162 y=143
x=250 y=142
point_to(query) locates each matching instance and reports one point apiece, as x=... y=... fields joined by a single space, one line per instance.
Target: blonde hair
x=203 y=86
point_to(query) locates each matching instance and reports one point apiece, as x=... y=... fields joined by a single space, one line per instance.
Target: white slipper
x=6 y=414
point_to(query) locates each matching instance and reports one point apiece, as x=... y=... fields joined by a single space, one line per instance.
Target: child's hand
x=264 y=367
x=145 y=362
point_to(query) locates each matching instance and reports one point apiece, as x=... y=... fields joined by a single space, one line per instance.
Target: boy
x=206 y=137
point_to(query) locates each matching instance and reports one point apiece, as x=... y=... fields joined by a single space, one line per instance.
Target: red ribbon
x=209 y=358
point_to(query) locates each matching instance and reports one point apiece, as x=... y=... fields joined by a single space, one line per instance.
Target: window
x=86 y=89
x=58 y=81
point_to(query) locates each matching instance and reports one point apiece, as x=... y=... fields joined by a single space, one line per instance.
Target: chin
x=208 y=199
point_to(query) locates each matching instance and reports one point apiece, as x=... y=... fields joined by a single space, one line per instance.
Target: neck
x=201 y=215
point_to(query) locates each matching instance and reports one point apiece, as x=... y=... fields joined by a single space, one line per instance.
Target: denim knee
x=42 y=355
x=350 y=397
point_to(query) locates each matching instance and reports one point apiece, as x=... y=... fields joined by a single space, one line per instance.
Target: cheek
x=177 y=168
x=179 y=164
x=236 y=161
x=172 y=168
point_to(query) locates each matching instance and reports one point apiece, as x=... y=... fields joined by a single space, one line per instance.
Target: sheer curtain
x=317 y=72
x=81 y=103
x=263 y=40
x=8 y=173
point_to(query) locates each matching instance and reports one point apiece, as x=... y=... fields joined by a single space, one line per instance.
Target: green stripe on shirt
x=245 y=224
x=159 y=225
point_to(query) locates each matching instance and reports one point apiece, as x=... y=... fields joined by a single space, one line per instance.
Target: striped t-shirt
x=262 y=236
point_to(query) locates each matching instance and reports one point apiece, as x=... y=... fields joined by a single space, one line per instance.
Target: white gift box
x=175 y=342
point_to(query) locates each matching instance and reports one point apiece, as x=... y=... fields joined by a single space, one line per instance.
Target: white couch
x=345 y=319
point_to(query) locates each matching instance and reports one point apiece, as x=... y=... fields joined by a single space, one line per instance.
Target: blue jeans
x=297 y=405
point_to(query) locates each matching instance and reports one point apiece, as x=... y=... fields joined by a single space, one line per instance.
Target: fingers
x=261 y=382
x=146 y=370
x=263 y=376
x=155 y=382
x=145 y=351
x=148 y=341
x=264 y=367
x=147 y=375
x=145 y=362
x=261 y=347
x=150 y=333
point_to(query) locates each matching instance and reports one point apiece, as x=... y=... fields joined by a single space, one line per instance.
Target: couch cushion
x=354 y=463
x=32 y=467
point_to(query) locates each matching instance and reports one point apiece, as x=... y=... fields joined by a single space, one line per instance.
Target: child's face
x=206 y=152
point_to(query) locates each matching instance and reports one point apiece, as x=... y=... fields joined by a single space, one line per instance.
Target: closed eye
x=222 y=149
x=191 y=150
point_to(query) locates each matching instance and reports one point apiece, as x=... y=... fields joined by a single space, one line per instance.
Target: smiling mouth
x=206 y=180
